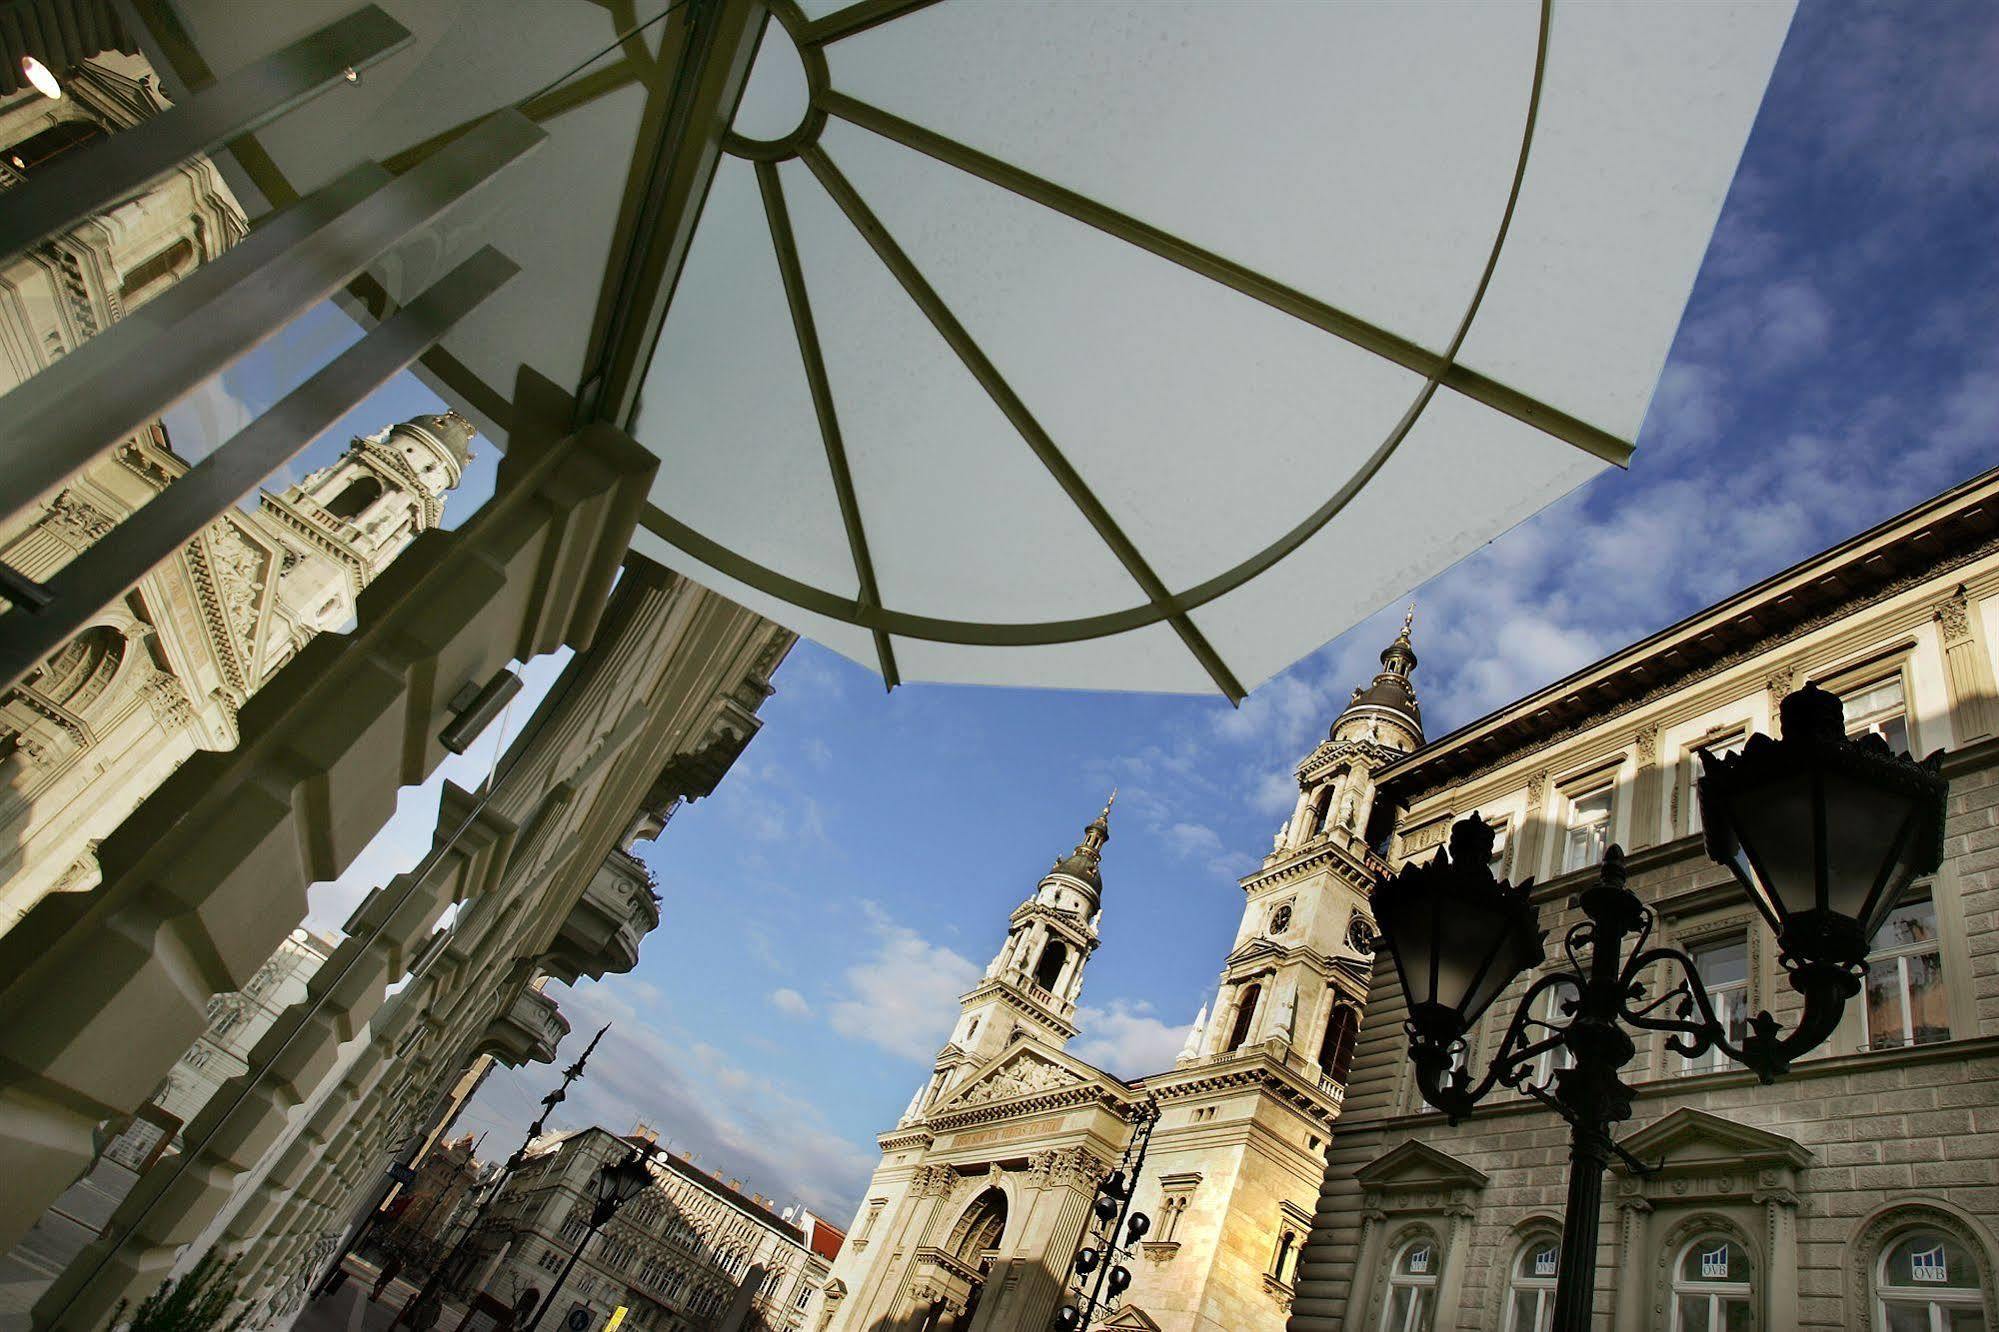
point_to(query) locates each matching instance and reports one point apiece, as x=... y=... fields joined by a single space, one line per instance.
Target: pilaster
x=1974 y=703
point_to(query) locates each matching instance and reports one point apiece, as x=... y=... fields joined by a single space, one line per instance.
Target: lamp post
x=423 y=1307
x=615 y=1184
x=1823 y=833
x=1103 y=1260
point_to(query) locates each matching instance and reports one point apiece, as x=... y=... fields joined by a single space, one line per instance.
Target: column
x=1647 y=789
x=1967 y=671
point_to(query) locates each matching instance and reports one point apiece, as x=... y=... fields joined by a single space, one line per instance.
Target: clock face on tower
x=1280 y=919
x=1360 y=935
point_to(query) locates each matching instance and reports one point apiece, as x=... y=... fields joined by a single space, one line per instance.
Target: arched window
x=1287 y=1247
x=1336 y=1050
x=979 y=1229
x=1245 y=1016
x=1530 y=1296
x=352 y=502
x=1714 y=1287
x=1927 y=1282
x=82 y=669
x=1412 y=1287
x=1049 y=969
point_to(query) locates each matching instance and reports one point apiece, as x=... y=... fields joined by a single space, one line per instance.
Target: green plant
x=196 y=1302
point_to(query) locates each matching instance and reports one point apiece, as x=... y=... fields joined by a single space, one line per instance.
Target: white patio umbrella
x=1110 y=345
x=1150 y=346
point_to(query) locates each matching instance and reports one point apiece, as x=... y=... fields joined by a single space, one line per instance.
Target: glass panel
x=1589 y=830
x=1907 y=1315
x=1538 y=1260
x=1691 y=1314
x=1963 y=1319
x=1417 y=1260
x=1525 y=1314
x=1879 y=709
x=1927 y=1258
x=1886 y=1012
x=1737 y=1315
x=1715 y=1260
x=1724 y=970
x=1913 y=922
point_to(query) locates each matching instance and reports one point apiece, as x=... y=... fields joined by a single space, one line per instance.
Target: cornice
x=995 y=987
x=1258 y=1069
x=1307 y=859
x=1932 y=541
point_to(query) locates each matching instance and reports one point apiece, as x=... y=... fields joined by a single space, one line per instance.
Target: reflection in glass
x=1906 y=1004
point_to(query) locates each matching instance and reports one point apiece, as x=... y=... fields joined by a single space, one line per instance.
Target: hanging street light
x=41 y=77
x=1824 y=834
x=615 y=1184
x=1101 y=1275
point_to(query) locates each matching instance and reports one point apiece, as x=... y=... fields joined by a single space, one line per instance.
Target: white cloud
x=904 y=998
x=736 y=1123
x=789 y=1001
x=1126 y=1039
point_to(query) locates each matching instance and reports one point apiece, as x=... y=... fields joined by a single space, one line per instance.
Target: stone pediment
x=1416 y=1165
x=1692 y=1141
x=1022 y=1070
x=1252 y=950
x=1130 y=1319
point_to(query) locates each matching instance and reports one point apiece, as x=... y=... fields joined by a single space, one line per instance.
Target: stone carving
x=1071 y=1166
x=168 y=701
x=1779 y=683
x=78 y=519
x=1022 y=1077
x=239 y=576
x=1647 y=743
x=933 y=1181
x=1955 y=617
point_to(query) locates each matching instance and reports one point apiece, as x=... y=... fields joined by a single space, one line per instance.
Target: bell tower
x=1297 y=975
x=362 y=510
x=1031 y=986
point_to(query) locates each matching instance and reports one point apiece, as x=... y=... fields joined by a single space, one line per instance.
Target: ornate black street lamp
x=1101 y=1275
x=615 y=1184
x=1823 y=833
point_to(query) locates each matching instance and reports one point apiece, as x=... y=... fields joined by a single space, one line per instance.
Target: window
x=1548 y=1011
x=38 y=150
x=1906 y=1004
x=1927 y=1283
x=353 y=501
x=804 y=1296
x=1712 y=1287
x=167 y=263
x=1285 y=1259
x=1496 y=862
x=1723 y=967
x=1879 y=709
x=1530 y=1298
x=1245 y=1015
x=1412 y=1288
x=1589 y=829
x=1336 y=1050
x=1053 y=955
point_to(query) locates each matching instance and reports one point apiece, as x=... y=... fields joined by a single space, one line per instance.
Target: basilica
x=986 y=1183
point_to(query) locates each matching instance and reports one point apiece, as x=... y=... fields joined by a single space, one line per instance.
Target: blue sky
x=826 y=905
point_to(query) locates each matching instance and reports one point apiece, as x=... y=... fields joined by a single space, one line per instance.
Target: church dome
x=1390 y=698
x=448 y=430
x=1085 y=863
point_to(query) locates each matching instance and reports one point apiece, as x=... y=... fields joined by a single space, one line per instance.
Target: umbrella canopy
x=1101 y=345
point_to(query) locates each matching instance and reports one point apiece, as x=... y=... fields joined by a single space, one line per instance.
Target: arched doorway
x=975 y=1239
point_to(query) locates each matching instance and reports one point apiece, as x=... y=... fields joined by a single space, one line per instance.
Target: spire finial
x=1409 y=619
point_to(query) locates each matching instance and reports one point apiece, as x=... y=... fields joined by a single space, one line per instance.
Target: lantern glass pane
x=1862 y=823
x=1773 y=821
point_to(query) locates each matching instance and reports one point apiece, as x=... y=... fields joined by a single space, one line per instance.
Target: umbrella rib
x=1037 y=439
x=785 y=243
x=1443 y=369
x=857 y=18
